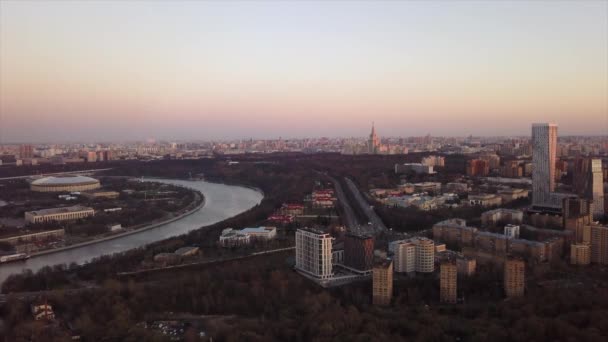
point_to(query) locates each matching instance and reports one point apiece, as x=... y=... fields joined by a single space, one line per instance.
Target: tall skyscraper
x=514 y=277
x=544 y=148
x=448 y=275
x=26 y=151
x=359 y=252
x=313 y=253
x=373 y=142
x=597 y=189
x=599 y=244
x=587 y=182
x=382 y=282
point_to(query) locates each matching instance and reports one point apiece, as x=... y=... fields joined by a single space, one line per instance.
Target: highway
x=377 y=224
x=350 y=218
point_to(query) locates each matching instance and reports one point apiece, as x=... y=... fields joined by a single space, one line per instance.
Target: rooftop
x=64 y=180
x=50 y=211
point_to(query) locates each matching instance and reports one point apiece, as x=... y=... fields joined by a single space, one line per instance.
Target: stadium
x=64 y=184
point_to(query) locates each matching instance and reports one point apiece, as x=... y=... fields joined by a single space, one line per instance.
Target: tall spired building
x=544 y=148
x=374 y=142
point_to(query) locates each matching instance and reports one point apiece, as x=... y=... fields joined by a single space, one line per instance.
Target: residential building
x=404 y=256
x=510 y=195
x=448 y=275
x=599 y=244
x=414 y=167
x=492 y=242
x=512 y=169
x=425 y=254
x=454 y=231
x=433 y=161
x=478 y=167
x=466 y=266
x=500 y=216
x=359 y=252
x=544 y=146
x=580 y=254
x=514 y=277
x=26 y=151
x=314 y=253
x=413 y=255
x=576 y=215
x=59 y=214
x=587 y=182
x=382 y=282
x=485 y=200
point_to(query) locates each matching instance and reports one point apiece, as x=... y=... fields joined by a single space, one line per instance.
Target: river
x=221 y=202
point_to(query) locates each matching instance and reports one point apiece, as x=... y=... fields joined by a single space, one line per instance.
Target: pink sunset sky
x=125 y=70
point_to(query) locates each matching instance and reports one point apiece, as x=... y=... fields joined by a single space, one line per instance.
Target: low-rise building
x=187 y=251
x=512 y=231
x=454 y=231
x=101 y=195
x=501 y=215
x=42 y=311
x=32 y=237
x=414 y=167
x=233 y=238
x=485 y=200
x=456 y=187
x=430 y=187
x=510 y=195
x=59 y=214
x=292 y=209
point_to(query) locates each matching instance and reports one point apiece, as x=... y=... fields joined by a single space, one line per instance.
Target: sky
x=129 y=70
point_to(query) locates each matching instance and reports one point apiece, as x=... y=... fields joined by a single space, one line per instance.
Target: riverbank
x=200 y=198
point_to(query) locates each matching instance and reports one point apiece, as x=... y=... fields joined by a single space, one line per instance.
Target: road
x=352 y=223
x=377 y=224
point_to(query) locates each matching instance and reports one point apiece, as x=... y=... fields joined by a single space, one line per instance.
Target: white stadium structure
x=64 y=183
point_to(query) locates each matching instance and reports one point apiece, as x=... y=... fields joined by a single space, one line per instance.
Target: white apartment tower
x=544 y=148
x=597 y=189
x=313 y=253
x=413 y=255
x=405 y=257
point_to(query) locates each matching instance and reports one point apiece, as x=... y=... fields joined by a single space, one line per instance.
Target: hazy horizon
x=186 y=70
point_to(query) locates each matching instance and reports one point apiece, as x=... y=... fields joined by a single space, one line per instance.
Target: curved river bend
x=221 y=202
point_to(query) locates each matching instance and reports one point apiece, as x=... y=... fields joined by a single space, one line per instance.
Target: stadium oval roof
x=64 y=180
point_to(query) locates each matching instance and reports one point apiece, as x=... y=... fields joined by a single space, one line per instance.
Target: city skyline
x=108 y=71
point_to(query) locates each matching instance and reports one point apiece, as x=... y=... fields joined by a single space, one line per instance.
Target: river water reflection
x=221 y=202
